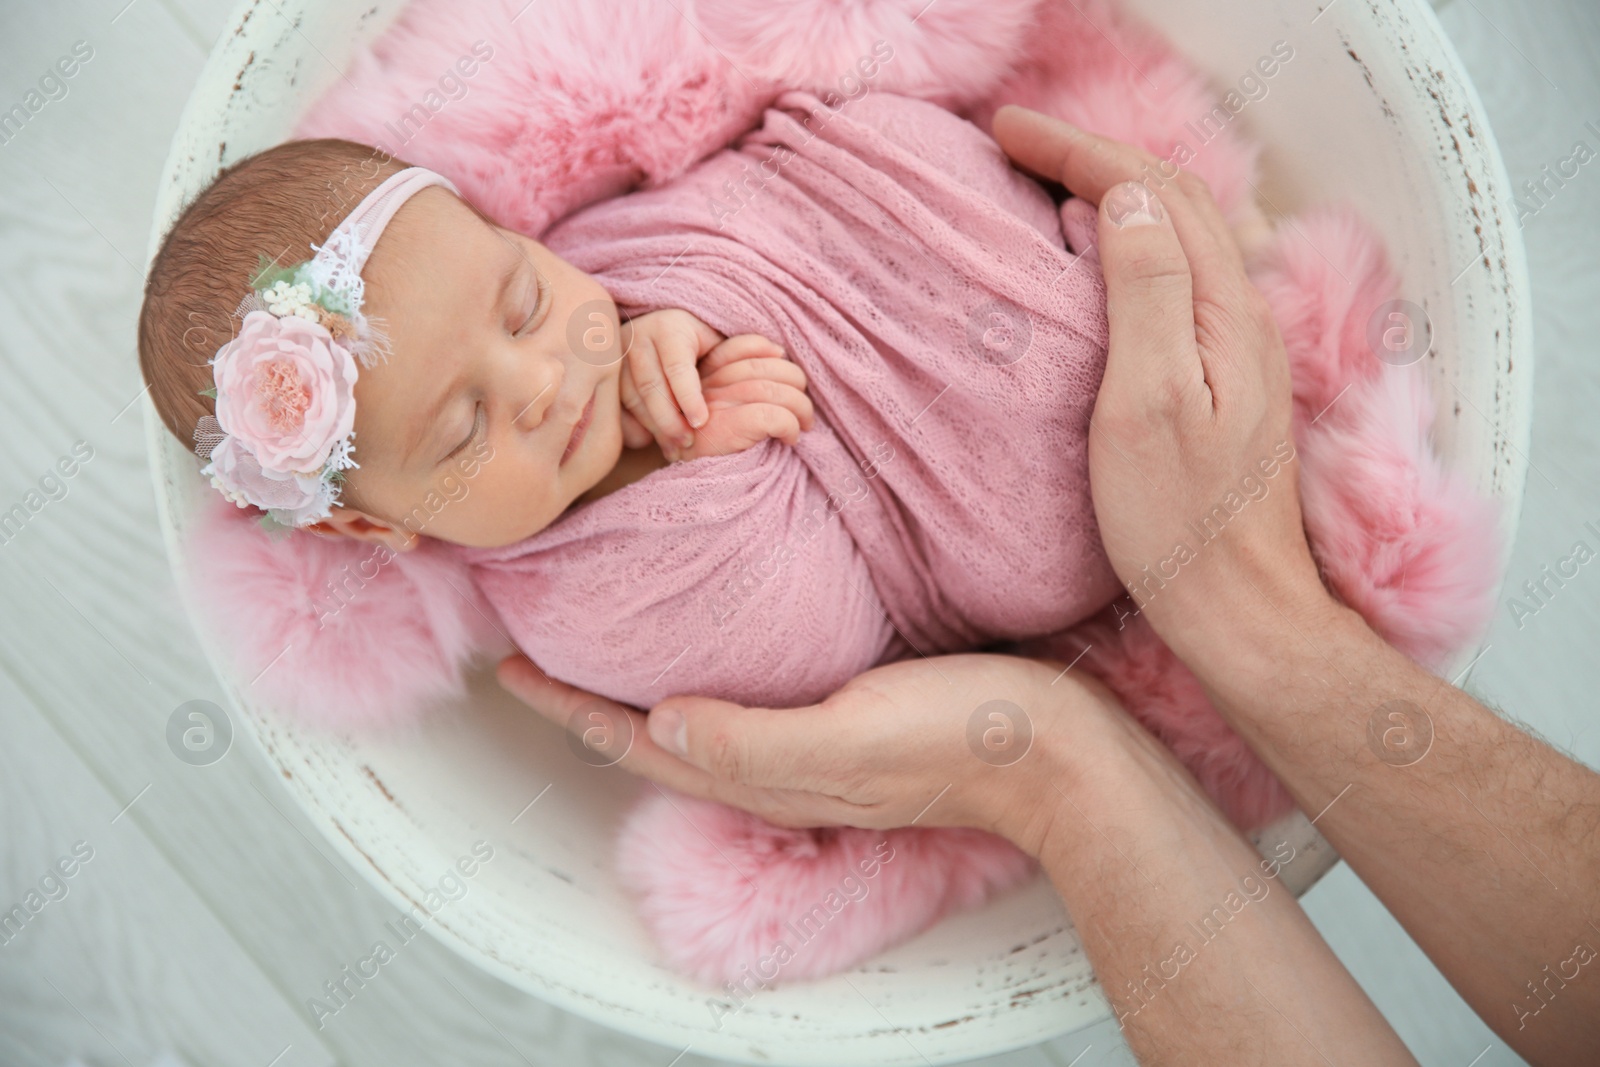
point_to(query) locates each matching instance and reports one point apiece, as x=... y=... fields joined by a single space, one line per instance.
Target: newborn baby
x=931 y=495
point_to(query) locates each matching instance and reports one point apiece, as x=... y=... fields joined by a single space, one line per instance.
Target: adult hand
x=1195 y=397
x=1120 y=827
x=1193 y=416
x=895 y=746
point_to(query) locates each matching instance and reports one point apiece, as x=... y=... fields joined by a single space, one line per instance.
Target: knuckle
x=1155 y=268
x=1257 y=312
x=1166 y=397
x=1244 y=316
x=1093 y=151
x=1130 y=417
x=725 y=756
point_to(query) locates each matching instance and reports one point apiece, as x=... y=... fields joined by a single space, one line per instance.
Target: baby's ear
x=358 y=525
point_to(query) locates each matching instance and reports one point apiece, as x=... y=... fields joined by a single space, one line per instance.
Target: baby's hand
x=753 y=393
x=663 y=394
x=660 y=376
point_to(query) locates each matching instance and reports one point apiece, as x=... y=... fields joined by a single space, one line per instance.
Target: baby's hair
x=276 y=203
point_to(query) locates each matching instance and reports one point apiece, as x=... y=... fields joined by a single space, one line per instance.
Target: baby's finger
x=679 y=359
x=741 y=425
x=765 y=391
x=739 y=346
x=768 y=367
x=659 y=410
x=633 y=404
x=635 y=434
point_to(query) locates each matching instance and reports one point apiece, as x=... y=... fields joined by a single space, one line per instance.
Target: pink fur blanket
x=579 y=100
x=942 y=499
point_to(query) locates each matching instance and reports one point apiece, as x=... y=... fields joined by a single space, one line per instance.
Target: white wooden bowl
x=1374 y=109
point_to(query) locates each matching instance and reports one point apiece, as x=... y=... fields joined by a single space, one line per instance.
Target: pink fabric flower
x=285 y=393
x=297 y=498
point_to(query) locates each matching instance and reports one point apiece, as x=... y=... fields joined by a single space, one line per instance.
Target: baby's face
x=466 y=432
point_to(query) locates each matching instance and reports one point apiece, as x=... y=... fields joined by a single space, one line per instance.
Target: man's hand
x=873 y=754
x=1194 y=408
x=1048 y=759
x=1455 y=818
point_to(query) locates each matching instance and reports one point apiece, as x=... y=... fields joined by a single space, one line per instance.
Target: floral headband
x=284 y=430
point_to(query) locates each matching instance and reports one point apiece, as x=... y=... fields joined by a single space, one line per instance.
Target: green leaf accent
x=268 y=273
x=338 y=303
x=274 y=529
x=211 y=392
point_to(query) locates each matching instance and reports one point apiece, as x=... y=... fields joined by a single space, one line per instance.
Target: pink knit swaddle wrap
x=953 y=349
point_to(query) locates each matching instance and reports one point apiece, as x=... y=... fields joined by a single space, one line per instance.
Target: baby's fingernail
x=1133 y=204
x=686 y=441
x=698 y=421
x=669 y=730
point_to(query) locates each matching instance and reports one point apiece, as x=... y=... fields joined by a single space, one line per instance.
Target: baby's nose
x=542 y=386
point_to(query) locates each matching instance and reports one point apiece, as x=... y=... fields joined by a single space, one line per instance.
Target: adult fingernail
x=1133 y=204
x=669 y=730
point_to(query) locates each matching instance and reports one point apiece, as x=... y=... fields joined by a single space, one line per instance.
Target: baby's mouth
x=579 y=429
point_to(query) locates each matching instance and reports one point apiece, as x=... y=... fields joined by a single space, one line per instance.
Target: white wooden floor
x=201 y=912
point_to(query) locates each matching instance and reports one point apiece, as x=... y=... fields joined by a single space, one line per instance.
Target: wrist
x=1278 y=653
x=1076 y=738
x=1107 y=784
x=1249 y=624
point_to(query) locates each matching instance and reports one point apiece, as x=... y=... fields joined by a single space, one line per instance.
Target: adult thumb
x=1149 y=291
